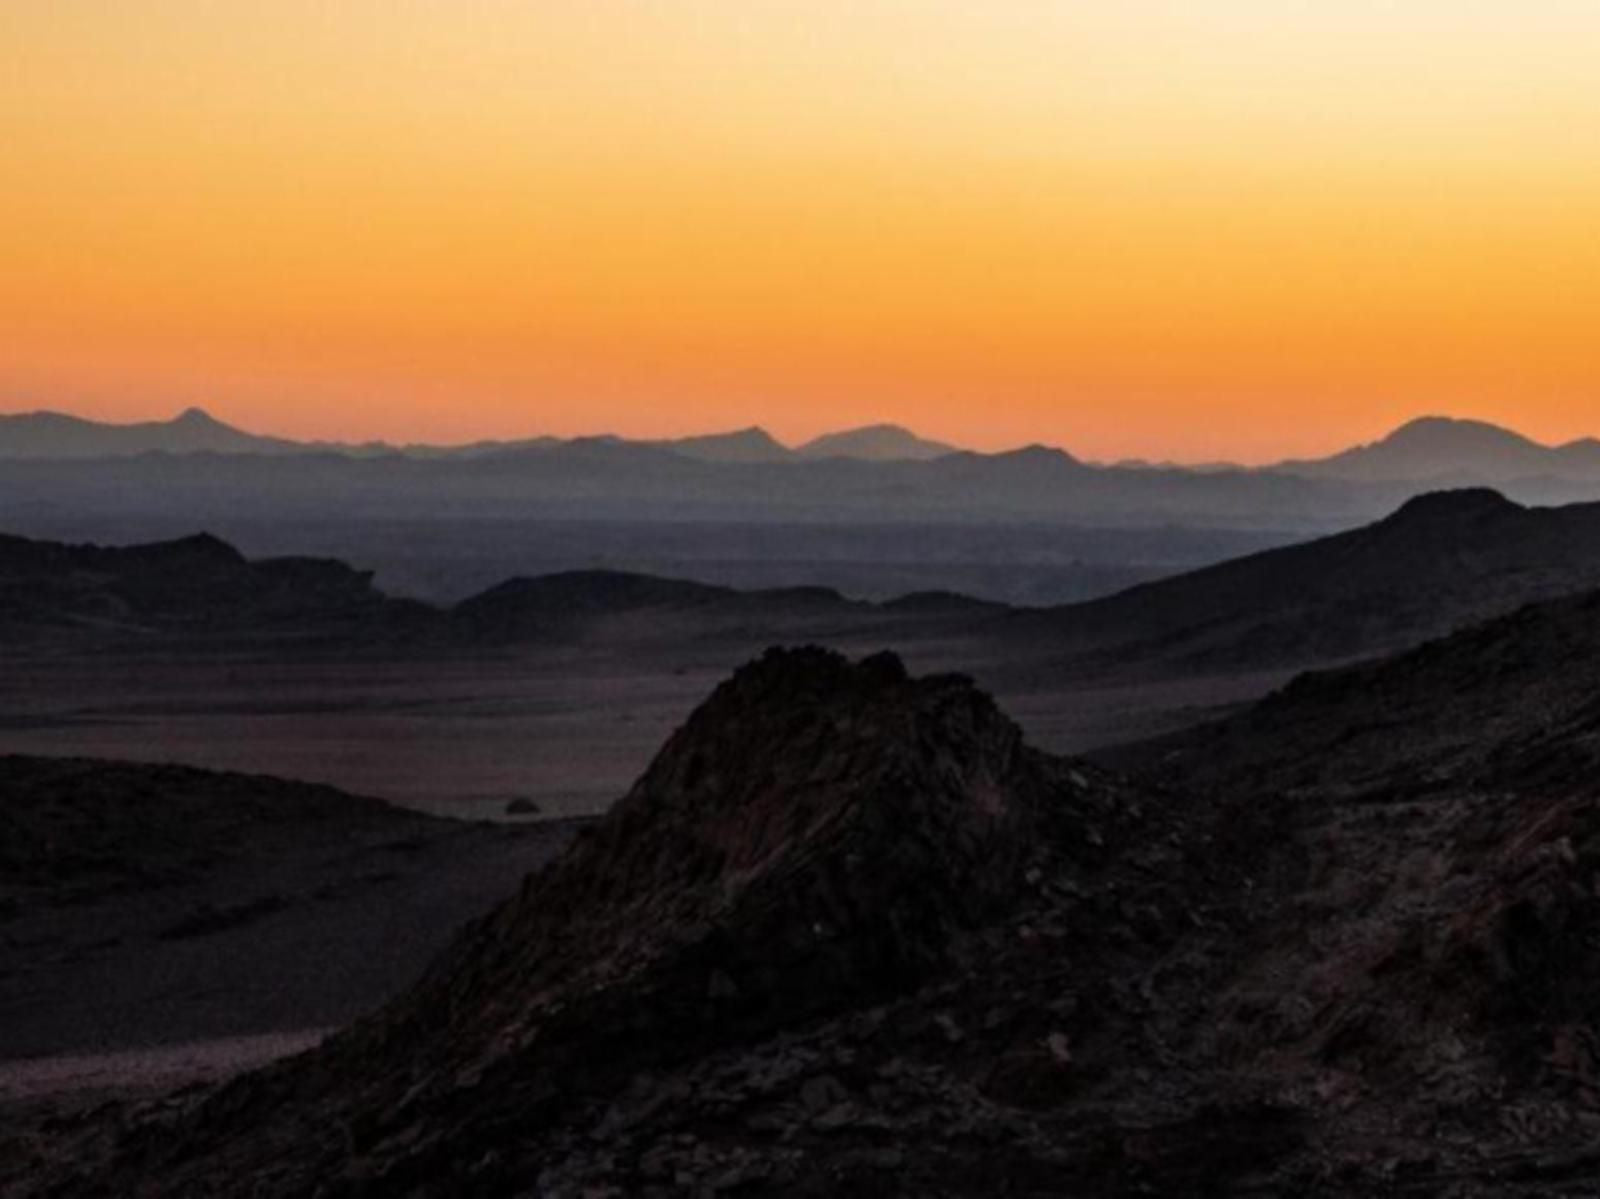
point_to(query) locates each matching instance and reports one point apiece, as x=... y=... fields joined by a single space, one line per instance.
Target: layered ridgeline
x=59 y=435
x=1435 y=450
x=1439 y=561
x=194 y=589
x=849 y=935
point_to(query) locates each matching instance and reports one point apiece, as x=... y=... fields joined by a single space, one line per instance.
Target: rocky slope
x=822 y=907
x=145 y=905
x=1441 y=560
x=850 y=935
x=1505 y=703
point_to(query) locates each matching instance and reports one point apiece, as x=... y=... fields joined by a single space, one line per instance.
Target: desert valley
x=1247 y=877
x=718 y=599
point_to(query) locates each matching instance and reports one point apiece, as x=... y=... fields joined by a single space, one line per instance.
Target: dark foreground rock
x=850 y=936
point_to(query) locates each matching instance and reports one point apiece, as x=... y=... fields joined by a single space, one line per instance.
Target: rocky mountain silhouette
x=850 y=935
x=819 y=840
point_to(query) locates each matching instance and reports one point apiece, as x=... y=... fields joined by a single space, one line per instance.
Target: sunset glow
x=1245 y=229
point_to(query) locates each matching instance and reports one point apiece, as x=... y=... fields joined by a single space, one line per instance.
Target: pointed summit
x=820 y=836
x=194 y=430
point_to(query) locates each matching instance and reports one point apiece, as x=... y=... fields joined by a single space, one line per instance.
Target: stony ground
x=851 y=935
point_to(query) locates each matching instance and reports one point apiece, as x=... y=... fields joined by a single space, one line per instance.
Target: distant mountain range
x=876 y=509
x=1434 y=449
x=1440 y=561
x=55 y=435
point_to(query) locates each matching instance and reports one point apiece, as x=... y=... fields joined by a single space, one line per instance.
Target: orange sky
x=1245 y=229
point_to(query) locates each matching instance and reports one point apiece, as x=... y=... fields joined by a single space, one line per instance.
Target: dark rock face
x=821 y=838
x=850 y=935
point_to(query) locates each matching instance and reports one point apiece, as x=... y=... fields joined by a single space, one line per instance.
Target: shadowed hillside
x=193 y=585
x=1442 y=560
x=848 y=934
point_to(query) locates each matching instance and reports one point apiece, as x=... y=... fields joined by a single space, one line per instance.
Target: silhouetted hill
x=1438 y=449
x=1441 y=560
x=875 y=443
x=193 y=585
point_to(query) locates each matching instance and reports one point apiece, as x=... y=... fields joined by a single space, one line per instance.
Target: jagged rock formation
x=850 y=935
x=820 y=839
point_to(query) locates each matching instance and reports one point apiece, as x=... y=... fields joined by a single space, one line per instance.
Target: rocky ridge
x=850 y=935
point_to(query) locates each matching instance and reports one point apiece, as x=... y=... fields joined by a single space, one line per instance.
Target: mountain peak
x=194 y=417
x=877 y=442
x=750 y=444
x=1453 y=431
x=1442 y=449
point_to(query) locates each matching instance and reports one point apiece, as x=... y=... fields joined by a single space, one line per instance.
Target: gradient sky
x=1239 y=228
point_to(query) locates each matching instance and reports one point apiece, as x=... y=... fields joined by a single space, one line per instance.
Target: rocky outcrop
x=820 y=839
x=850 y=935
